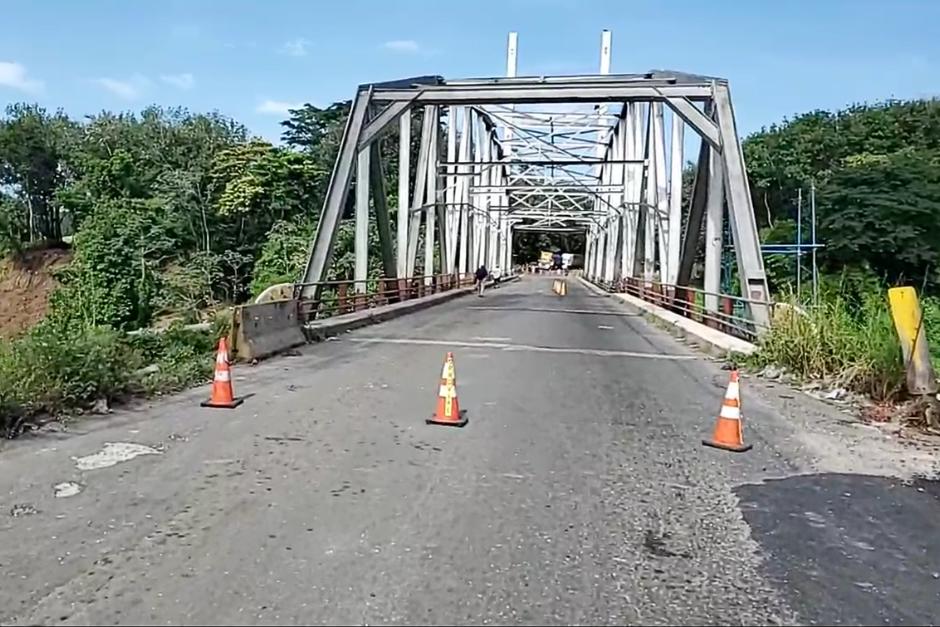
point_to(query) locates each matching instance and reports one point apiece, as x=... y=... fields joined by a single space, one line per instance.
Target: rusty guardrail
x=732 y=316
x=348 y=296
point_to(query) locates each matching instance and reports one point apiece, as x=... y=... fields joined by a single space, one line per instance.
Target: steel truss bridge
x=548 y=153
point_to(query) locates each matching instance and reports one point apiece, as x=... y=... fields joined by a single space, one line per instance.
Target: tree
x=873 y=167
x=34 y=163
x=886 y=211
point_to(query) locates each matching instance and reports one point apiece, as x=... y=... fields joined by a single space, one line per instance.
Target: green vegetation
x=53 y=369
x=877 y=172
x=173 y=215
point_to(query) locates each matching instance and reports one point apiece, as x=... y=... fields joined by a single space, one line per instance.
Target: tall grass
x=848 y=340
x=60 y=369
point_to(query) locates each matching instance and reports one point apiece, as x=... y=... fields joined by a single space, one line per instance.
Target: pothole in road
x=114 y=453
x=656 y=545
x=23 y=509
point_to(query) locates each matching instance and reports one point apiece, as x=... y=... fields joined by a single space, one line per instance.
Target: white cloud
x=183 y=81
x=14 y=75
x=402 y=45
x=277 y=107
x=296 y=47
x=128 y=90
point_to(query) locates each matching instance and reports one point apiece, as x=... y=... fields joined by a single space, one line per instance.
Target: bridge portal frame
x=621 y=243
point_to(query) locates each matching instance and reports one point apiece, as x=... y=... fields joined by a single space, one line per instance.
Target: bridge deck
x=579 y=491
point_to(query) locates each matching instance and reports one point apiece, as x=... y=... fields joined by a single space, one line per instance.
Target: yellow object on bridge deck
x=560 y=287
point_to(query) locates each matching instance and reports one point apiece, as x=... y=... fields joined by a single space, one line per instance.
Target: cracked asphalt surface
x=579 y=492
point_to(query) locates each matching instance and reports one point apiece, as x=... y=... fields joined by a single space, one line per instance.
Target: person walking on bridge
x=480 y=277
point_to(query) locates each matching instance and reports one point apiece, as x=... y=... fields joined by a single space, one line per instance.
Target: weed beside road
x=57 y=370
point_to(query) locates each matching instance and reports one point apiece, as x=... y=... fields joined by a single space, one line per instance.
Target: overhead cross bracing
x=553 y=153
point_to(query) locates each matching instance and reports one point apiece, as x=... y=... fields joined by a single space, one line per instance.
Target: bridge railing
x=732 y=317
x=349 y=296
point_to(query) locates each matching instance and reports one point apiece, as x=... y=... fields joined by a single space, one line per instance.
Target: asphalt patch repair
x=850 y=549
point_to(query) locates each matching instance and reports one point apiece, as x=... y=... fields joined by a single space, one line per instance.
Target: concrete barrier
x=264 y=329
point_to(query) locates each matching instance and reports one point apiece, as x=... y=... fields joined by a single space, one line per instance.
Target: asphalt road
x=579 y=492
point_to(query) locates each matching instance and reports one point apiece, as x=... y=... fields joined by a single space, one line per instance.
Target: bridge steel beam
x=463 y=189
x=741 y=211
x=675 y=200
x=504 y=169
x=420 y=187
x=432 y=201
x=536 y=93
x=404 y=188
x=714 y=221
x=661 y=212
x=321 y=248
x=697 y=203
x=361 y=251
x=380 y=204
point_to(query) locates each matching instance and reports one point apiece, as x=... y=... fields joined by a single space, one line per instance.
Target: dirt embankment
x=26 y=283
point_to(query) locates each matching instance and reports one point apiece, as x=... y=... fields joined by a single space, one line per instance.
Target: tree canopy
x=877 y=173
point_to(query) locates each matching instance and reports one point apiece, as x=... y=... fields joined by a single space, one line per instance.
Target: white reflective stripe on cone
x=223 y=375
x=733 y=413
x=734 y=390
x=447 y=391
x=221 y=358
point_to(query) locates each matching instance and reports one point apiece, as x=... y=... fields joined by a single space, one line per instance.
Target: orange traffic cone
x=728 y=432
x=222 y=394
x=448 y=409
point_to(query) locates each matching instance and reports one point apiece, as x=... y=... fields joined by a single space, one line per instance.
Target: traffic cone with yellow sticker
x=448 y=409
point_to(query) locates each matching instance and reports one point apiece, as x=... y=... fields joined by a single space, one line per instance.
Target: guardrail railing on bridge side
x=342 y=297
x=732 y=316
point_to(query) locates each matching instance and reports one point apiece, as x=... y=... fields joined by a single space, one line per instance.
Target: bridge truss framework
x=549 y=153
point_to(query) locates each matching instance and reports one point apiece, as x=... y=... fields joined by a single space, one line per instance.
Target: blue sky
x=250 y=60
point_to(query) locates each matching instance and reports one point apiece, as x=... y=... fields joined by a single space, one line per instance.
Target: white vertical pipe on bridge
x=463 y=185
x=662 y=190
x=404 y=174
x=714 y=217
x=432 y=199
x=675 y=199
x=361 y=249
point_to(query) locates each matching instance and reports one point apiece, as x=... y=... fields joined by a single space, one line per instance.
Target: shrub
x=61 y=368
x=853 y=344
x=50 y=371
